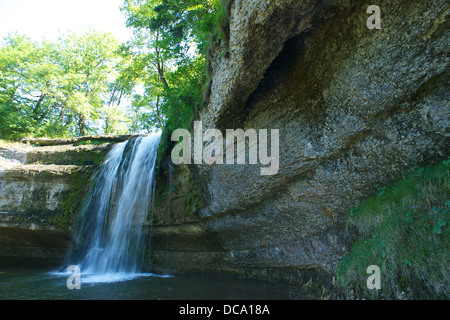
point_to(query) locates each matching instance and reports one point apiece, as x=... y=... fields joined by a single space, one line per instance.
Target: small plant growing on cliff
x=354 y=212
x=381 y=191
x=404 y=231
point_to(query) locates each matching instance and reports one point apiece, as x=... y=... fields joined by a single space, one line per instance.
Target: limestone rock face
x=37 y=190
x=68 y=155
x=41 y=189
x=355 y=109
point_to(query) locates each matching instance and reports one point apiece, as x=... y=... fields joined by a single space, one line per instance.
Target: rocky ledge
x=41 y=189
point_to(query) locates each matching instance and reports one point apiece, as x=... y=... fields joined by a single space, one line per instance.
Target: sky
x=47 y=19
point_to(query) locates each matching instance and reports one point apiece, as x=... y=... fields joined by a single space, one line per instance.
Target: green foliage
x=77 y=85
x=170 y=44
x=221 y=22
x=403 y=229
x=185 y=96
x=64 y=88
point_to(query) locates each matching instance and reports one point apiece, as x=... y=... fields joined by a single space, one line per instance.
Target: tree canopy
x=89 y=83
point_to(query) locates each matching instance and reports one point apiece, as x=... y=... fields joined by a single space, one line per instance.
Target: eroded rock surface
x=41 y=189
x=355 y=108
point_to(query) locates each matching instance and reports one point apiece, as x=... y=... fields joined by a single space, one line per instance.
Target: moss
x=71 y=200
x=94 y=142
x=161 y=195
x=404 y=231
x=163 y=150
x=75 y=156
x=94 y=157
x=192 y=199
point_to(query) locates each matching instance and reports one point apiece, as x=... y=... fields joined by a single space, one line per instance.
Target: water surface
x=46 y=284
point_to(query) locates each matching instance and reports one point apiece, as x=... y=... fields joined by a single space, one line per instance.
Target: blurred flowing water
x=110 y=234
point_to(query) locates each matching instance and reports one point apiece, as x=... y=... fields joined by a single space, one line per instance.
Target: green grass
x=92 y=142
x=403 y=230
x=7 y=143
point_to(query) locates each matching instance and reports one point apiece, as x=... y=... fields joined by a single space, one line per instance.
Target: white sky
x=47 y=19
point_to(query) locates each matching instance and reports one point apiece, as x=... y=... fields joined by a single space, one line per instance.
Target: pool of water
x=47 y=284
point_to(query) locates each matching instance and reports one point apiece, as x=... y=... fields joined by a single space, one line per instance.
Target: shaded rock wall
x=40 y=193
x=355 y=108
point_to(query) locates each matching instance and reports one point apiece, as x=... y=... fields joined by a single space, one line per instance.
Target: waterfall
x=110 y=233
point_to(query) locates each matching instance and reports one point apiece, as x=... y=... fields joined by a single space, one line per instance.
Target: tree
x=169 y=43
x=20 y=102
x=87 y=62
x=65 y=88
x=81 y=83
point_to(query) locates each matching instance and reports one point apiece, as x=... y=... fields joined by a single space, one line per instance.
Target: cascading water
x=110 y=237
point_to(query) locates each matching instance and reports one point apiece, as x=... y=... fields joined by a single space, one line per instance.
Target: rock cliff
x=355 y=108
x=41 y=189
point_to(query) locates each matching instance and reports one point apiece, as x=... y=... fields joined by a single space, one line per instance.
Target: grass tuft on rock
x=404 y=231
